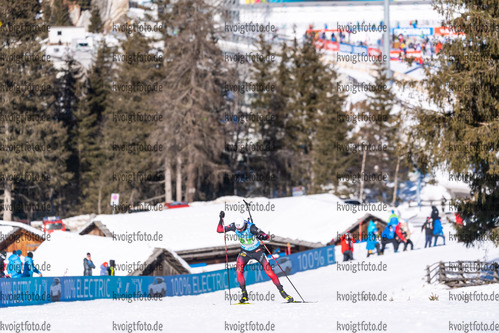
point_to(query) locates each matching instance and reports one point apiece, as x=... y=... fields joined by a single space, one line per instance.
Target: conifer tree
x=379 y=132
x=332 y=131
x=128 y=151
x=94 y=176
x=313 y=94
x=59 y=14
x=268 y=108
x=95 y=20
x=34 y=153
x=192 y=98
x=462 y=135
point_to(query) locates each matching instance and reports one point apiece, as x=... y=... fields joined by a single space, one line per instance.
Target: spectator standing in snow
x=388 y=236
x=434 y=213
x=406 y=232
x=15 y=265
x=347 y=247
x=29 y=266
x=88 y=265
x=372 y=238
x=438 y=231
x=393 y=219
x=443 y=204
x=3 y=256
x=104 y=270
x=428 y=227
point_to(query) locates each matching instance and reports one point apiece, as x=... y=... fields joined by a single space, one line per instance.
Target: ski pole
x=286 y=275
x=227 y=262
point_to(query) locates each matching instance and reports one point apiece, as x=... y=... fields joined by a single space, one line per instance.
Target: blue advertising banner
x=32 y=291
x=426 y=31
x=353 y=49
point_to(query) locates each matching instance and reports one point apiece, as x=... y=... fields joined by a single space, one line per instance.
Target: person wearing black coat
x=428 y=226
x=88 y=265
x=434 y=213
x=3 y=255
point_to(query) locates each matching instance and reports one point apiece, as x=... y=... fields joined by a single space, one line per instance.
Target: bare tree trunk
x=270 y=187
x=179 y=178
x=396 y=181
x=7 y=201
x=132 y=195
x=312 y=181
x=361 y=191
x=99 y=201
x=190 y=189
x=7 y=191
x=168 y=181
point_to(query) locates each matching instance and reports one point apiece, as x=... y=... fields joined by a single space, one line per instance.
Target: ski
x=299 y=302
x=242 y=303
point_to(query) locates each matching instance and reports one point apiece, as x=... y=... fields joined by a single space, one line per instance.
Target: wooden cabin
x=19 y=236
x=215 y=254
x=360 y=228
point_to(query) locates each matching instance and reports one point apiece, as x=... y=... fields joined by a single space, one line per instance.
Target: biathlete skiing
x=250 y=237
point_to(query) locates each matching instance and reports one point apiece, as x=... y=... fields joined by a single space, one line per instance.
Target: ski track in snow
x=410 y=311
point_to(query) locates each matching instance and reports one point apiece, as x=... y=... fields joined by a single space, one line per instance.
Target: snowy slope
x=313 y=218
x=409 y=311
x=65 y=253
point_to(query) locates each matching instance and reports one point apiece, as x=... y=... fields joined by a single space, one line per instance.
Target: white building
x=75 y=42
x=65 y=35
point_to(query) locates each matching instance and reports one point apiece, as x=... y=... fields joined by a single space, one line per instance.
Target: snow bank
x=313 y=218
x=407 y=307
x=65 y=253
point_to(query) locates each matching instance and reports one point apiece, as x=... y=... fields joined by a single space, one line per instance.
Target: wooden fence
x=463 y=273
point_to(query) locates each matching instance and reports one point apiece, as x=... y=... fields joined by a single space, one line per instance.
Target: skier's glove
x=262 y=237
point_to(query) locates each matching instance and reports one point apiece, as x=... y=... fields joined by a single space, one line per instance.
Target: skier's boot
x=286 y=296
x=244 y=297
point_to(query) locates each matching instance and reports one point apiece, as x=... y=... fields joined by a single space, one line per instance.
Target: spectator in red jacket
x=399 y=236
x=398 y=231
x=347 y=247
x=459 y=219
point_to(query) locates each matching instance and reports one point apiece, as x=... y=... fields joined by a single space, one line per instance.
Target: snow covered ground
x=407 y=307
x=313 y=218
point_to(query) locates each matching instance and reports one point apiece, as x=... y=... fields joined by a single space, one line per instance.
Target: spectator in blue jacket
x=15 y=265
x=372 y=239
x=388 y=236
x=438 y=231
x=104 y=270
x=393 y=219
x=29 y=266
